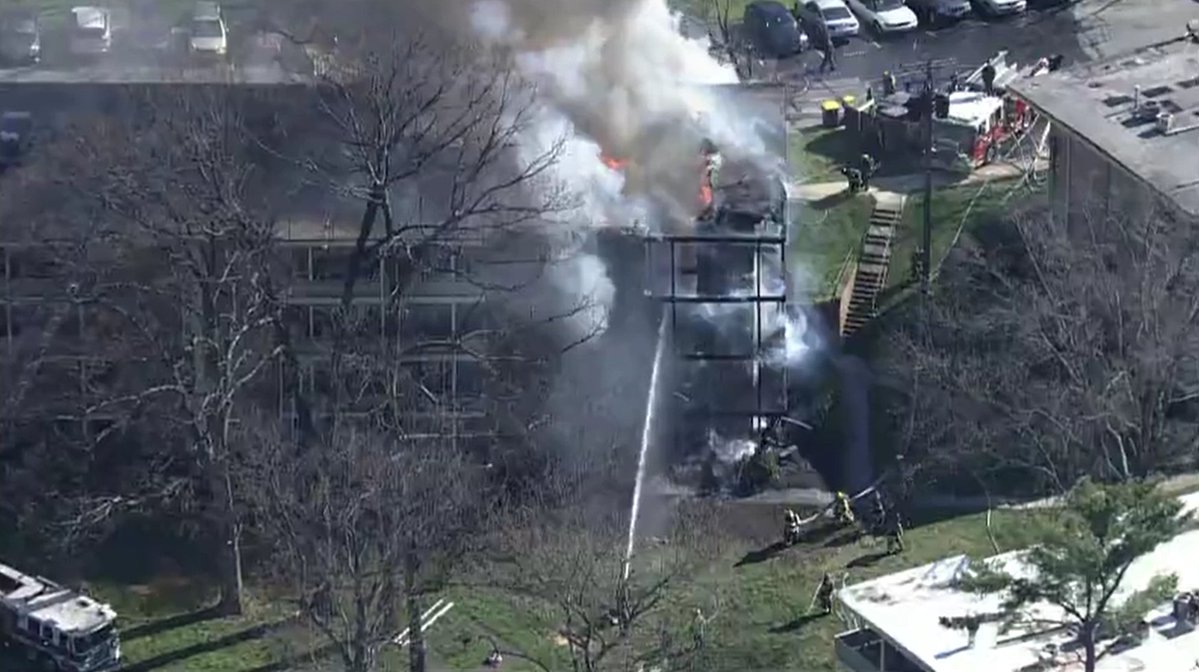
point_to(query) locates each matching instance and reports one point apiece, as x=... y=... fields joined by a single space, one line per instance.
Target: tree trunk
x=416 y=638
x=229 y=554
x=1090 y=660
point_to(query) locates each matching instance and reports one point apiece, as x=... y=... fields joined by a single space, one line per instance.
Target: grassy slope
x=822 y=237
x=953 y=208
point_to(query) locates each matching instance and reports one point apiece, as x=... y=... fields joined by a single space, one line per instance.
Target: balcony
x=859 y=651
x=863 y=650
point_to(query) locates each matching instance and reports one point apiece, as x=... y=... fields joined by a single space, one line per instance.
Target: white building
x=894 y=622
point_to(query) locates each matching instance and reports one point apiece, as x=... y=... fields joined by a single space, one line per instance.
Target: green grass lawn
x=756 y=606
x=165 y=626
x=816 y=154
x=758 y=624
x=822 y=236
x=954 y=208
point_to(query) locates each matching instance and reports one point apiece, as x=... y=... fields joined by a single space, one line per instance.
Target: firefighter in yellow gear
x=842 y=511
x=791 y=527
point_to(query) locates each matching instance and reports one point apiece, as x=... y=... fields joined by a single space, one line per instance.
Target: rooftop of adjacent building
x=906 y=607
x=1099 y=101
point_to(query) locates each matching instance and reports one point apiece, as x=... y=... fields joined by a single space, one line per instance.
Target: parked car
x=209 y=37
x=815 y=15
x=20 y=38
x=884 y=16
x=999 y=7
x=940 y=12
x=772 y=30
x=91 y=31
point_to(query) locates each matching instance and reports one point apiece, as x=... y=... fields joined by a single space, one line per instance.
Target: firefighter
x=889 y=86
x=824 y=42
x=1055 y=62
x=698 y=625
x=853 y=177
x=879 y=510
x=842 y=510
x=988 y=75
x=791 y=530
x=894 y=534
x=867 y=165
x=824 y=594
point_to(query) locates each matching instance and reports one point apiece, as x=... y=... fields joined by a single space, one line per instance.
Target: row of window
x=309 y=263
x=409 y=323
x=414 y=322
x=332 y=263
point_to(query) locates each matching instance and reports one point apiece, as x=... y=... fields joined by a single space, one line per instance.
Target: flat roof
x=1096 y=102
x=905 y=608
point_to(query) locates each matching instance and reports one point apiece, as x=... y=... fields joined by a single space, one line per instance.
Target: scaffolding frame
x=766 y=237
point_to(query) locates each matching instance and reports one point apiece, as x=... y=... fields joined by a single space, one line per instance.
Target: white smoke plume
x=617 y=80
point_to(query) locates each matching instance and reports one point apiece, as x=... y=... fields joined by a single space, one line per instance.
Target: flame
x=705 y=185
x=613 y=162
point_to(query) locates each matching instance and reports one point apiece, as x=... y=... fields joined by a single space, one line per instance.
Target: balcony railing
x=858 y=650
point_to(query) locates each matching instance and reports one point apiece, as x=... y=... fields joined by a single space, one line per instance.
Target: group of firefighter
x=883 y=522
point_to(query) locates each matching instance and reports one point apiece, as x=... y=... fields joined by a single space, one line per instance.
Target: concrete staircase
x=860 y=298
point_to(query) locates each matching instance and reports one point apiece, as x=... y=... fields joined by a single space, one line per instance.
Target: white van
x=91 y=33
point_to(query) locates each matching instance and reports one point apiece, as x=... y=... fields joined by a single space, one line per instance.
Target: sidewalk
x=906 y=184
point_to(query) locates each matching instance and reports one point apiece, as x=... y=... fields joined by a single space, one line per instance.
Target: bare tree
x=1056 y=349
x=730 y=42
x=609 y=619
x=365 y=523
x=182 y=294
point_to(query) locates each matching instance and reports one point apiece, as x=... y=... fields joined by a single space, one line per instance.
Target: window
x=323 y=321
x=365 y=323
x=471 y=377
x=39 y=264
x=427 y=321
x=331 y=263
x=299 y=262
x=296 y=320
x=435 y=378
x=208 y=29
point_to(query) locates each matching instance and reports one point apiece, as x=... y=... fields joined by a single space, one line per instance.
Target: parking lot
x=1027 y=36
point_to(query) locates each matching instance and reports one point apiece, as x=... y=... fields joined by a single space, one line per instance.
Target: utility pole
x=927 y=108
x=926 y=240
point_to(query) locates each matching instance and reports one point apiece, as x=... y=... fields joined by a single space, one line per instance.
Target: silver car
x=940 y=12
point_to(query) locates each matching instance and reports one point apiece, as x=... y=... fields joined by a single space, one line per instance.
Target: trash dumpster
x=830 y=113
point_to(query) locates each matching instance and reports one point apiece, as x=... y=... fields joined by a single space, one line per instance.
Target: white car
x=91 y=31
x=1000 y=7
x=833 y=15
x=885 y=16
x=209 y=36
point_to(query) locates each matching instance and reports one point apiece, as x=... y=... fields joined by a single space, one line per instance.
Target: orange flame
x=614 y=163
x=705 y=187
